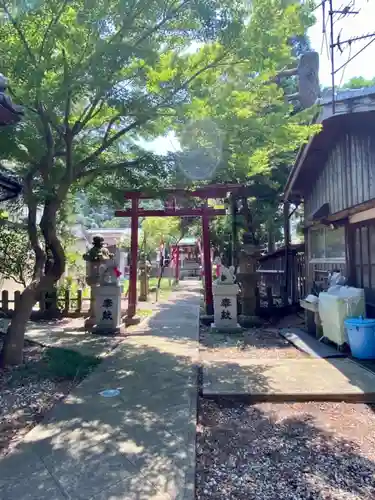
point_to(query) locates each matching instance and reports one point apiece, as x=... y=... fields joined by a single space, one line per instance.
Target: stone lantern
x=248 y=277
x=10 y=186
x=97 y=259
x=10 y=113
x=144 y=272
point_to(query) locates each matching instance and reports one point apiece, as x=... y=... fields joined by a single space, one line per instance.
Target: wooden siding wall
x=271 y=272
x=363 y=261
x=348 y=177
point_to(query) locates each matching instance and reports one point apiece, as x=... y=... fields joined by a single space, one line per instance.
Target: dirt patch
x=28 y=391
x=257 y=343
x=304 y=451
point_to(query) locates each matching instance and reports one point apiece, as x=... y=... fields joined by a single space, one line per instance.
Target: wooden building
x=334 y=176
x=285 y=290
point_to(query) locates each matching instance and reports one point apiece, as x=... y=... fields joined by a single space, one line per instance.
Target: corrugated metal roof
x=10 y=186
x=345 y=94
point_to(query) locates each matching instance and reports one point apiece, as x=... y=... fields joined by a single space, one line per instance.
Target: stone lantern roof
x=9 y=113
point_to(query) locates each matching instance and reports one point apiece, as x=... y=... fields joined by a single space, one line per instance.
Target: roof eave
x=346 y=106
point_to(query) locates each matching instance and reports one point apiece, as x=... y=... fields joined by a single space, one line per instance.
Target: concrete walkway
x=139 y=445
x=285 y=380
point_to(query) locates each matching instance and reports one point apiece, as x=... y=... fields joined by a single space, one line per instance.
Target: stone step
x=284 y=380
x=310 y=345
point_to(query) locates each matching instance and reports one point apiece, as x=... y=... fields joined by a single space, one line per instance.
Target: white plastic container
x=337 y=305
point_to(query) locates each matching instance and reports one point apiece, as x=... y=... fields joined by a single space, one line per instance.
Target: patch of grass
x=165 y=287
x=64 y=364
x=144 y=313
x=57 y=364
x=164 y=283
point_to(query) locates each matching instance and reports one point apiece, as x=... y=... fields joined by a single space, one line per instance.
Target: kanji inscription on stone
x=107 y=303
x=226 y=302
x=225 y=314
x=107 y=315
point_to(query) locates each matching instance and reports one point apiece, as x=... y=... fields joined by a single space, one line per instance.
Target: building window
x=327 y=244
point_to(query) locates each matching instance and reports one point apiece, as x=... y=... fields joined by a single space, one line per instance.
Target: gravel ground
x=302 y=451
x=24 y=400
x=252 y=343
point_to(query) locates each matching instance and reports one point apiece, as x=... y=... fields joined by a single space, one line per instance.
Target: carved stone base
x=89 y=323
x=206 y=319
x=135 y=320
x=248 y=298
x=248 y=306
x=120 y=330
x=221 y=329
x=250 y=321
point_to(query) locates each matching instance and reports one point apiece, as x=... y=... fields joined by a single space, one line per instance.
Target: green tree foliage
x=16 y=256
x=158 y=229
x=117 y=222
x=358 y=82
x=261 y=131
x=96 y=76
x=93 y=76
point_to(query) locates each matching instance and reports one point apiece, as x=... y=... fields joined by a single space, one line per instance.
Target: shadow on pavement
x=137 y=445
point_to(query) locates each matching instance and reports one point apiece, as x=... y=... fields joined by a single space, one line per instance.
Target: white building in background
x=112 y=236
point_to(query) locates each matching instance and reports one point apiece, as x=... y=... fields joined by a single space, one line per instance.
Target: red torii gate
x=204 y=211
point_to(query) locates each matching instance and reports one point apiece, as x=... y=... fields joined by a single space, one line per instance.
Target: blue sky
x=351 y=26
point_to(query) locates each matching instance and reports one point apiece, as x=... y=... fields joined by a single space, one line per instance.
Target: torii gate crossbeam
x=203 y=211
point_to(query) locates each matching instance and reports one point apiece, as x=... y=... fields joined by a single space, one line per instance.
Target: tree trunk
x=49 y=297
x=12 y=352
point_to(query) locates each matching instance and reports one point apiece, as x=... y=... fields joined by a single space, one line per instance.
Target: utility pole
x=332 y=51
x=335 y=42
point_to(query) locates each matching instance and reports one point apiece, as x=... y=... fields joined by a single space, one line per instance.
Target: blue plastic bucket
x=361 y=335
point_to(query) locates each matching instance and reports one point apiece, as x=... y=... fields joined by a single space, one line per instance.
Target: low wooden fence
x=275 y=289
x=69 y=303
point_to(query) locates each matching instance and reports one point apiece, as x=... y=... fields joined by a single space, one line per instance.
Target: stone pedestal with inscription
x=93 y=272
x=225 y=308
x=107 y=302
x=107 y=310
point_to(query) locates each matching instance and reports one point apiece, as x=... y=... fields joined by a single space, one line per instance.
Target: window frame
x=326 y=260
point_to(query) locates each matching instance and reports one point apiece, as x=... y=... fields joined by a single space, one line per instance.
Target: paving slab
x=310 y=345
x=289 y=380
x=138 y=445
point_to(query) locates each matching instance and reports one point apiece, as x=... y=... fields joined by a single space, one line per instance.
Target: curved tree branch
x=52 y=23
x=92 y=173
